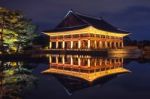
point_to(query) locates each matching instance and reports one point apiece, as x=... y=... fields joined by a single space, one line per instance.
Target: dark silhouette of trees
x=41 y=40
x=140 y=44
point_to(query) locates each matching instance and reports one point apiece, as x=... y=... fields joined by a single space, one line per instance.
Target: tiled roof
x=75 y=20
x=67 y=28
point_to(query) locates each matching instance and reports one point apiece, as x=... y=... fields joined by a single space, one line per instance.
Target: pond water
x=53 y=76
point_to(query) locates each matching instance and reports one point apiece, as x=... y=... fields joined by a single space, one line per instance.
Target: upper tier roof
x=75 y=20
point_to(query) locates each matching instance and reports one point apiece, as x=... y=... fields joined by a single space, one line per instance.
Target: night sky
x=131 y=15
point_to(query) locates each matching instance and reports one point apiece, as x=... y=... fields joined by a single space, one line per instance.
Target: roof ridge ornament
x=70 y=11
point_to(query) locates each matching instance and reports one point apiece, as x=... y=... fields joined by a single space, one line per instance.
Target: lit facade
x=80 y=32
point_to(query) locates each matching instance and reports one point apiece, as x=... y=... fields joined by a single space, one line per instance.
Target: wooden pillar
x=89 y=45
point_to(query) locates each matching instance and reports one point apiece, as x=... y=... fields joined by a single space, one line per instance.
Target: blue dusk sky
x=130 y=15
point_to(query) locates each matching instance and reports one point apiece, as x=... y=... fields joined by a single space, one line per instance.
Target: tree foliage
x=18 y=31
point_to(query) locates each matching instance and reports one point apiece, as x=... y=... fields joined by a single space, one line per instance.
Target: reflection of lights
x=87 y=76
x=85 y=67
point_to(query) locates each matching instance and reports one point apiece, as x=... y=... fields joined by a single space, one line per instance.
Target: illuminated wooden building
x=80 y=32
x=85 y=67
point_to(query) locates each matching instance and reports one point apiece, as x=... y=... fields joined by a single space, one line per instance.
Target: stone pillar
x=106 y=44
x=56 y=60
x=105 y=61
x=63 y=44
x=122 y=62
x=50 y=58
x=110 y=44
x=122 y=45
x=56 y=44
x=63 y=59
x=95 y=44
x=95 y=63
x=119 y=45
x=100 y=44
x=71 y=60
x=50 y=45
x=79 y=61
x=79 y=44
x=100 y=62
x=89 y=45
x=115 y=45
x=71 y=44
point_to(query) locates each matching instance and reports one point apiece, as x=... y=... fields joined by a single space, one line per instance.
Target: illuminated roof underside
x=87 y=76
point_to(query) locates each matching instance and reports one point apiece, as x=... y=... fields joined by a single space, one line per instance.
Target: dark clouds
x=132 y=15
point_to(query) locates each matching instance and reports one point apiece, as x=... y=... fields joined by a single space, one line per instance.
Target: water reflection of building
x=72 y=84
x=84 y=69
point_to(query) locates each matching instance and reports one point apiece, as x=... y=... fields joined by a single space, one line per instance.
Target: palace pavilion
x=81 y=32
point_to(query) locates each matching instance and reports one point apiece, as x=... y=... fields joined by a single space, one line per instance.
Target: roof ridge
x=70 y=11
x=121 y=29
x=89 y=16
x=73 y=26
